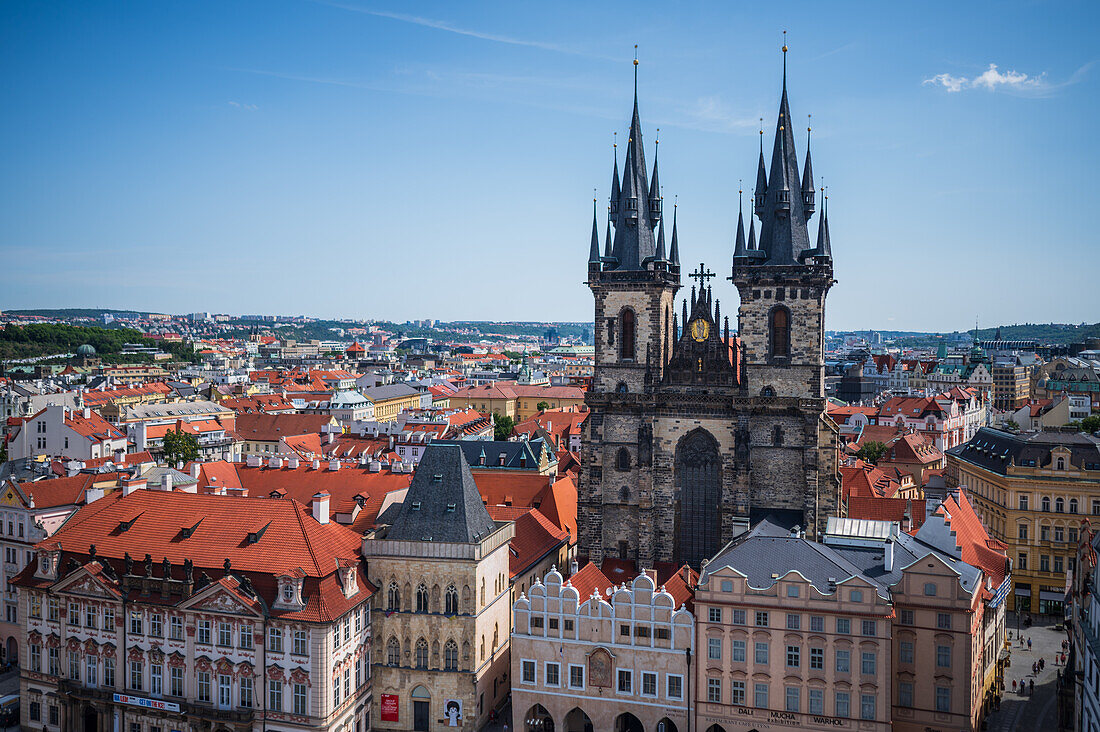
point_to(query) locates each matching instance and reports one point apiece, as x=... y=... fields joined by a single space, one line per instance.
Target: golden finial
x=808 y=118
x=635 y=54
x=615 y=139
x=784 y=42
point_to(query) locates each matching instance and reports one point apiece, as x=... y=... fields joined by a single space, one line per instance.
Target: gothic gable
x=703 y=354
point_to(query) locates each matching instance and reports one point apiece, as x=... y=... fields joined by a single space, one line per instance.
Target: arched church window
x=780 y=332
x=622 y=460
x=767 y=391
x=422 y=653
x=450 y=656
x=777 y=436
x=626 y=341
x=393 y=597
x=624 y=494
x=452 y=600
x=422 y=599
x=393 y=652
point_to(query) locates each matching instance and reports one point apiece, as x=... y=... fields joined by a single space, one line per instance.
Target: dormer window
x=416 y=505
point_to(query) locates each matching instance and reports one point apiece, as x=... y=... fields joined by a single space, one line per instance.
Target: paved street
x=1028 y=712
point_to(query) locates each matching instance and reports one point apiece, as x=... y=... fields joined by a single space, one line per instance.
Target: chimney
x=316 y=464
x=92 y=494
x=166 y=482
x=292 y=462
x=374 y=466
x=320 y=507
x=129 y=485
x=253 y=461
x=888 y=555
x=120 y=456
x=330 y=438
x=196 y=468
x=334 y=464
x=573 y=568
x=275 y=462
x=87 y=412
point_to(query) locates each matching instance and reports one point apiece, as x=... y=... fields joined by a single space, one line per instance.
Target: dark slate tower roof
x=783 y=232
x=443 y=503
x=635 y=206
x=594 y=247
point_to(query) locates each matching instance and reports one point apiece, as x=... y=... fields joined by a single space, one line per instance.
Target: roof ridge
x=299 y=509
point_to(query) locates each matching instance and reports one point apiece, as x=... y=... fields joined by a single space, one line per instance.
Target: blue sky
x=409 y=160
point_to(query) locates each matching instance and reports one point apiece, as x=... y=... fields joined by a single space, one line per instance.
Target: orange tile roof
x=273 y=427
x=290 y=542
x=887 y=509
x=69 y=491
x=976 y=546
x=294 y=540
x=535 y=536
x=588 y=579
x=510 y=487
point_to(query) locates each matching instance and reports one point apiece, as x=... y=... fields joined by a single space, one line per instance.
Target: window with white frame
x=528 y=670
x=576 y=677
x=625 y=681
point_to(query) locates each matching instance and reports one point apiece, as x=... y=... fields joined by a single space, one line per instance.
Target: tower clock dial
x=700 y=329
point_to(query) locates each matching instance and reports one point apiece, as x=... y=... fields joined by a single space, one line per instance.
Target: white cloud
x=990 y=79
x=949 y=82
x=243 y=105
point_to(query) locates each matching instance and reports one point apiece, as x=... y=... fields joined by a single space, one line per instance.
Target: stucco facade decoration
x=597 y=657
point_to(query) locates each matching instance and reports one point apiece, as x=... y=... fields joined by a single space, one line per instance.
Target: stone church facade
x=694 y=434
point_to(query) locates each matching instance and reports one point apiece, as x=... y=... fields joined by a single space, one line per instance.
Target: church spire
x=824 y=246
x=674 y=253
x=654 y=185
x=594 y=247
x=783 y=235
x=631 y=208
x=739 y=248
x=761 y=178
x=808 y=177
x=607 y=238
x=615 y=190
x=661 y=242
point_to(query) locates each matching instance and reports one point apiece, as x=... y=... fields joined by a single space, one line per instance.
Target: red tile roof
x=273 y=427
x=972 y=539
x=887 y=509
x=70 y=491
x=588 y=579
x=535 y=537
x=290 y=542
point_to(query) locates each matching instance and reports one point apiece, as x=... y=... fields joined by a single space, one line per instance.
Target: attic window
x=126 y=525
x=187 y=531
x=451 y=507
x=416 y=505
x=254 y=536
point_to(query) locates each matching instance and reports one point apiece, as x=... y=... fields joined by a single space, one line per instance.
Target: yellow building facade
x=1032 y=491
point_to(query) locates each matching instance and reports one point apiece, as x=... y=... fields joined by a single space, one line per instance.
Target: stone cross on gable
x=702 y=275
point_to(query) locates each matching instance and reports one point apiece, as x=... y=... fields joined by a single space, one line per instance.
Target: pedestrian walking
x=1014 y=686
x=1042 y=663
x=1031 y=684
x=1029 y=643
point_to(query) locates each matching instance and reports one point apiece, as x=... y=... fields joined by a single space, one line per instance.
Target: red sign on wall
x=389 y=708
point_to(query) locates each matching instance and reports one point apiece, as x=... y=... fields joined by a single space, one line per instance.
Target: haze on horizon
x=366 y=159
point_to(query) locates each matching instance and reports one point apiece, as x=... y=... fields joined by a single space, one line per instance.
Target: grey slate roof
x=995 y=450
x=770 y=549
x=443 y=503
x=634 y=227
x=514 y=452
x=388 y=391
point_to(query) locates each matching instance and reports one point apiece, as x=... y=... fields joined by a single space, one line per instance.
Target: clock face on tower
x=700 y=329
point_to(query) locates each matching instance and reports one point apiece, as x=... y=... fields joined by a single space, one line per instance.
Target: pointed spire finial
x=761 y=135
x=635 y=73
x=784 y=60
